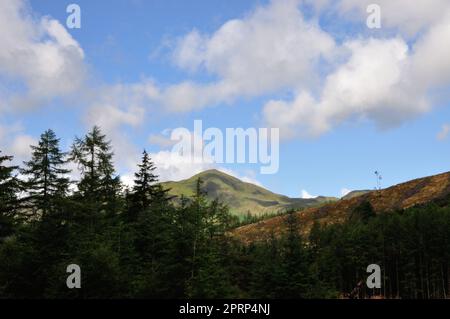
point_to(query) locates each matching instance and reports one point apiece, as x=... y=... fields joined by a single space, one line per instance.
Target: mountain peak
x=239 y=196
x=212 y=171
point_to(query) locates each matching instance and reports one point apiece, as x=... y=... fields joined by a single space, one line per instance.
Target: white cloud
x=382 y=80
x=120 y=104
x=306 y=195
x=345 y=191
x=385 y=80
x=15 y=142
x=174 y=167
x=6 y=130
x=161 y=140
x=443 y=134
x=39 y=54
x=127 y=180
x=20 y=146
x=109 y=116
x=430 y=61
x=272 y=48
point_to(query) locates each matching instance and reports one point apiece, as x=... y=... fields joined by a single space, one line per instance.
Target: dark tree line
x=136 y=243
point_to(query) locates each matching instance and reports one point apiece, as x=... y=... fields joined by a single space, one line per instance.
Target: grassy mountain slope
x=401 y=196
x=241 y=197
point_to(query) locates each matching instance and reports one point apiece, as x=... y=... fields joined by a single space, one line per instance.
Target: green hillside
x=241 y=197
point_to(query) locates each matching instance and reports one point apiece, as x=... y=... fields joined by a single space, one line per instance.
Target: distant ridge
x=241 y=197
x=416 y=192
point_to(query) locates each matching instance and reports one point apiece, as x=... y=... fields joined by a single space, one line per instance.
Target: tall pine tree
x=99 y=183
x=8 y=199
x=46 y=176
x=144 y=183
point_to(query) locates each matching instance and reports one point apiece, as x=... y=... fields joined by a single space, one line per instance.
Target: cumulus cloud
x=38 y=55
x=172 y=165
x=162 y=140
x=345 y=191
x=386 y=81
x=430 y=62
x=443 y=133
x=127 y=180
x=120 y=104
x=306 y=195
x=20 y=145
x=375 y=83
x=14 y=141
x=109 y=116
x=272 y=48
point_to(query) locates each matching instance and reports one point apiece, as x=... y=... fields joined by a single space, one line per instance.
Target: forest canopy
x=135 y=243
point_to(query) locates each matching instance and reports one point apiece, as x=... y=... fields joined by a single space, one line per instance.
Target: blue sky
x=349 y=100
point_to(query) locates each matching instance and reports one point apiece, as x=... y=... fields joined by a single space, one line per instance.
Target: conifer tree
x=93 y=154
x=144 y=184
x=295 y=264
x=46 y=176
x=363 y=212
x=208 y=223
x=8 y=198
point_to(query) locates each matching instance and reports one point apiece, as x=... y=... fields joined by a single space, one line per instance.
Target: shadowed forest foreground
x=135 y=243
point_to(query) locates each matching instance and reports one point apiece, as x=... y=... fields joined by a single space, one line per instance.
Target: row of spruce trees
x=136 y=243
